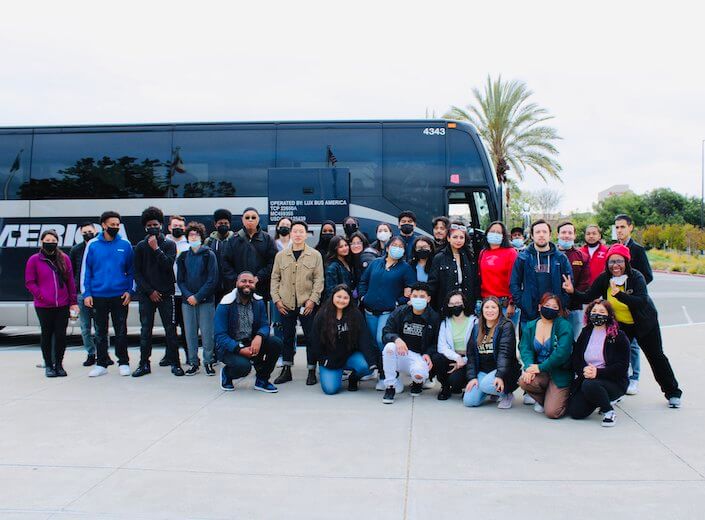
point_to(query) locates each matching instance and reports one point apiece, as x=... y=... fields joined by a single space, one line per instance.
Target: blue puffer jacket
x=198 y=274
x=523 y=284
x=226 y=320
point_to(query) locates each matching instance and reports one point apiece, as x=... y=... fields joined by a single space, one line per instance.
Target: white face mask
x=383 y=236
x=620 y=280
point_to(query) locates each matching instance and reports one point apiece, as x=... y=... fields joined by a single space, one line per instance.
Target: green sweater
x=562 y=344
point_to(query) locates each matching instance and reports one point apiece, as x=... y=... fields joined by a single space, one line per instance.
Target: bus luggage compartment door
x=310 y=194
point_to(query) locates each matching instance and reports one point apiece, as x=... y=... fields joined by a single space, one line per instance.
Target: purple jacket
x=46 y=285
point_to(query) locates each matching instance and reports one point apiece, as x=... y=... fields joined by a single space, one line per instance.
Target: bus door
x=309 y=194
x=471 y=206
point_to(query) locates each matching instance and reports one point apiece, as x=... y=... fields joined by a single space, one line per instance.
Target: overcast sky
x=625 y=80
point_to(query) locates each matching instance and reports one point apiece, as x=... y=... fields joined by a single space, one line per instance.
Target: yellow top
x=621 y=311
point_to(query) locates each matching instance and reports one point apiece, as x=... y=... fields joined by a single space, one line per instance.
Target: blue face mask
x=396 y=252
x=194 y=244
x=517 y=242
x=494 y=239
x=418 y=304
x=565 y=244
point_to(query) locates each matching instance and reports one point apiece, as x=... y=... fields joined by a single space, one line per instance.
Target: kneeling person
x=242 y=336
x=410 y=337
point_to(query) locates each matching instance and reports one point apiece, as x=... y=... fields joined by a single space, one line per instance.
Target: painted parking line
x=687 y=316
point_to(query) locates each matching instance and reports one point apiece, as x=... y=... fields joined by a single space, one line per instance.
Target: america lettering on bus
x=22 y=234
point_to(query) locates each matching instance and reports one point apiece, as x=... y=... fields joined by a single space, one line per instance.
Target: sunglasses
x=458 y=227
x=250 y=218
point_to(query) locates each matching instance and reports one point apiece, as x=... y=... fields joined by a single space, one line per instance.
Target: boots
x=285 y=375
x=311 y=379
x=59 y=369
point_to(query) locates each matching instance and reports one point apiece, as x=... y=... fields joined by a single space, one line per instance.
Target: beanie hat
x=621 y=250
x=220 y=214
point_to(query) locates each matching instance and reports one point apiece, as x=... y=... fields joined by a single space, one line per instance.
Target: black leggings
x=53 y=322
x=652 y=347
x=456 y=381
x=592 y=394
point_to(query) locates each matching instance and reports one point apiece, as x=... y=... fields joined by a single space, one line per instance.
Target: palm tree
x=513 y=129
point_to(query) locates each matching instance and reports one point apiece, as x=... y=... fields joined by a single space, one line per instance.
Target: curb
x=679 y=273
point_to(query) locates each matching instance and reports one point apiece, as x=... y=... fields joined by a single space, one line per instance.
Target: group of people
x=430 y=307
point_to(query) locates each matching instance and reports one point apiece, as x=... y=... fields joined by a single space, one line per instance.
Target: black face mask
x=50 y=247
x=598 y=320
x=177 y=232
x=423 y=254
x=548 y=313
x=325 y=237
x=223 y=229
x=88 y=236
x=284 y=231
x=407 y=229
x=112 y=231
x=350 y=229
x=153 y=231
x=457 y=310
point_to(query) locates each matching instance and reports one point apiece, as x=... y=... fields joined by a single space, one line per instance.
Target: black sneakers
x=210 y=371
x=311 y=378
x=193 y=370
x=49 y=371
x=285 y=375
x=164 y=362
x=444 y=394
x=177 y=370
x=59 y=369
x=142 y=370
x=353 y=381
x=90 y=360
x=415 y=389
x=389 y=393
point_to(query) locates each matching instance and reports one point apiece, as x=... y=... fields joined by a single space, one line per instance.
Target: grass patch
x=676 y=261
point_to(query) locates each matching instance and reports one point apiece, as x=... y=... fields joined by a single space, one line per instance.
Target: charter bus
x=59 y=177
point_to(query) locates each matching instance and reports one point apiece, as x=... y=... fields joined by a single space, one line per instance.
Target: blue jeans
x=199 y=316
x=376 y=325
x=634 y=360
x=332 y=379
x=86 y=319
x=479 y=393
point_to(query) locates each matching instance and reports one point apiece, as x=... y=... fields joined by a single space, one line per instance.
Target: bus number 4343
x=434 y=131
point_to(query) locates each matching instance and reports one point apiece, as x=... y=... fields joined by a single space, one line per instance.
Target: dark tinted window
x=14 y=164
x=414 y=172
x=223 y=163
x=100 y=165
x=464 y=158
x=360 y=150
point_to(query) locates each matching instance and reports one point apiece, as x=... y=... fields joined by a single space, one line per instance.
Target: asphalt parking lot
x=162 y=447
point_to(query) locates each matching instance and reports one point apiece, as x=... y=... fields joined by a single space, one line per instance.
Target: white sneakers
x=97 y=371
x=633 y=388
x=528 y=400
x=538 y=408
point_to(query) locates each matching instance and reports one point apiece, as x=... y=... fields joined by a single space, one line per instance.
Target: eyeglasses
x=615 y=261
x=458 y=227
x=250 y=218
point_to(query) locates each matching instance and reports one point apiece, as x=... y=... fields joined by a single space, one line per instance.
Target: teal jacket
x=558 y=363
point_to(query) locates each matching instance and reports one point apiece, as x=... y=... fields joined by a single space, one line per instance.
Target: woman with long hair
x=282 y=231
x=339 y=266
x=383 y=233
x=495 y=263
x=422 y=257
x=327 y=232
x=492 y=367
x=545 y=347
x=49 y=277
x=341 y=341
x=601 y=364
x=454 y=267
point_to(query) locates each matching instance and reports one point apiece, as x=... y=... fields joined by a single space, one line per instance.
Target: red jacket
x=495 y=268
x=597 y=260
x=580 y=263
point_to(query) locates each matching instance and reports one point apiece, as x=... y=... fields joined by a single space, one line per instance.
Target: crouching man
x=410 y=337
x=242 y=337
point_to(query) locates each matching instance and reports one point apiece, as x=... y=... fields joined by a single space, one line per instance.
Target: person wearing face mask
x=324 y=237
x=453 y=336
x=538 y=270
x=384 y=285
x=422 y=258
x=177 y=235
x=407 y=224
x=198 y=280
x=580 y=264
x=107 y=278
x=222 y=219
x=601 y=364
x=154 y=278
x=441 y=226
x=495 y=264
x=625 y=289
x=282 y=239
x=340 y=341
x=517 y=239
x=410 y=338
x=85 y=315
x=595 y=250
x=49 y=277
x=545 y=347
x=382 y=234
x=339 y=266
x=492 y=365
x=350 y=226
x=454 y=267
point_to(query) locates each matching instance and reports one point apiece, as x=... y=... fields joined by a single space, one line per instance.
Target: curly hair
x=152 y=213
